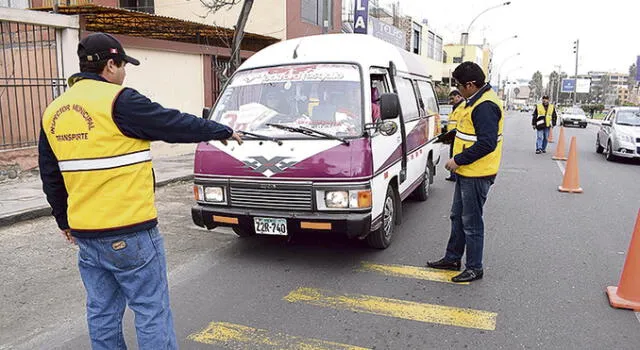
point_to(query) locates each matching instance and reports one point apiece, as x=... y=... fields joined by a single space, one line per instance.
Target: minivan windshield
x=323 y=97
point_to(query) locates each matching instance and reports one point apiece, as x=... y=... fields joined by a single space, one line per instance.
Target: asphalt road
x=548 y=259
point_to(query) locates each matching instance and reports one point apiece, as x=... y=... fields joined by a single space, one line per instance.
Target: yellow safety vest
x=108 y=176
x=452 y=123
x=548 y=113
x=466 y=137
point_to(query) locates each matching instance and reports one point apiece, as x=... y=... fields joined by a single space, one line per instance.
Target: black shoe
x=538 y=151
x=444 y=265
x=450 y=178
x=544 y=151
x=468 y=275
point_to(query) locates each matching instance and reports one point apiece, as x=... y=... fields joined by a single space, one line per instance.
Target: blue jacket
x=137 y=117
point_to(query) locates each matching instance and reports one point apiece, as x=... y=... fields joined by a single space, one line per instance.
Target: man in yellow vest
x=477 y=153
x=457 y=102
x=95 y=165
x=544 y=118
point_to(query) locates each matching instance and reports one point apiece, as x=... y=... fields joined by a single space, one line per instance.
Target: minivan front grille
x=271 y=196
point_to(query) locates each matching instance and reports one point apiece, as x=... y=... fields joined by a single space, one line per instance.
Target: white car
x=619 y=135
x=573 y=116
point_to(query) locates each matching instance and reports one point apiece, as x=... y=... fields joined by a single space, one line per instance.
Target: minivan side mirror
x=206 y=113
x=389 y=106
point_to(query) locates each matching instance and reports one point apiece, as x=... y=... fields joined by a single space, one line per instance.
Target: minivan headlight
x=214 y=194
x=345 y=199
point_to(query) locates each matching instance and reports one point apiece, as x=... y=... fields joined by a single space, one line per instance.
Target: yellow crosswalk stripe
x=235 y=336
x=422 y=273
x=409 y=310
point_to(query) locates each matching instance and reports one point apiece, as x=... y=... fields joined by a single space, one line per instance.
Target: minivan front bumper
x=352 y=224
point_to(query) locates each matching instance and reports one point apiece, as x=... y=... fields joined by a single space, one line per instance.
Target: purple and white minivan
x=338 y=131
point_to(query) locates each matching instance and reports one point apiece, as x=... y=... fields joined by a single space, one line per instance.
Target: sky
x=607 y=31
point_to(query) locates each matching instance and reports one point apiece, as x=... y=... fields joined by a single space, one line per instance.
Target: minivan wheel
x=422 y=192
x=381 y=238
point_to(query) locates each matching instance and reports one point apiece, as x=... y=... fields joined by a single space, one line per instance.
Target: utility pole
x=557 y=100
x=238 y=35
x=576 y=48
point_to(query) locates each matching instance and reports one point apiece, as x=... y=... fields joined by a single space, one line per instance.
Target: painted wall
x=267 y=17
x=175 y=80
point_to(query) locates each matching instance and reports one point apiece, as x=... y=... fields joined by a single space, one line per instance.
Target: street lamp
x=496 y=46
x=501 y=65
x=464 y=44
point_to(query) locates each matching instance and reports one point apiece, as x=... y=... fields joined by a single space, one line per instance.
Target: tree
x=554 y=83
x=214 y=6
x=633 y=72
x=535 y=85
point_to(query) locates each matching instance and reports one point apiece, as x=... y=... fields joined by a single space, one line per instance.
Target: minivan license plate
x=270 y=226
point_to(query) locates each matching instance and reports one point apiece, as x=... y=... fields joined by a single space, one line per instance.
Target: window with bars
x=146 y=6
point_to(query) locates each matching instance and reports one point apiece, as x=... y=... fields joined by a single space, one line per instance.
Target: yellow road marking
x=409 y=310
x=422 y=273
x=235 y=336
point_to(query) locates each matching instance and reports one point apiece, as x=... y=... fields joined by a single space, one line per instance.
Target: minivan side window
x=428 y=97
x=408 y=100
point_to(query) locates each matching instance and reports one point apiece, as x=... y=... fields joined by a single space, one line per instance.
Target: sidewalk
x=594 y=121
x=23 y=199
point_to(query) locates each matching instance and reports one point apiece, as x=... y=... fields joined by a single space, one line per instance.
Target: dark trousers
x=467 y=224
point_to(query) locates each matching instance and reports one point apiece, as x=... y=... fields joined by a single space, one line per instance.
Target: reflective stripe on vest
x=104 y=163
x=471 y=138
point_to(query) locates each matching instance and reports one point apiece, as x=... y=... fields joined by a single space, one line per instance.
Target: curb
x=45 y=210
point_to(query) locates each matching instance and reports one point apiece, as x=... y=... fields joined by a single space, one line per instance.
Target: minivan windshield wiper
x=309 y=132
x=260 y=137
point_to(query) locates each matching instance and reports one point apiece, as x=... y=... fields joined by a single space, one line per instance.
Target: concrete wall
x=267 y=17
x=175 y=80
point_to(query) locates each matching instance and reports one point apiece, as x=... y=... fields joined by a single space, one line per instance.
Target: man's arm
x=485 y=117
x=52 y=182
x=139 y=117
x=535 y=116
x=554 y=117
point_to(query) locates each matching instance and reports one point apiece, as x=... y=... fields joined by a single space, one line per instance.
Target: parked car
x=445 y=110
x=619 y=135
x=574 y=116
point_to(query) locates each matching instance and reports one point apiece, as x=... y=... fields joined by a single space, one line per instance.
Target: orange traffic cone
x=627 y=294
x=560 y=148
x=551 y=140
x=571 y=180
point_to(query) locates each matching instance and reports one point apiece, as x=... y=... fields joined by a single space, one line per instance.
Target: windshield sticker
x=288 y=74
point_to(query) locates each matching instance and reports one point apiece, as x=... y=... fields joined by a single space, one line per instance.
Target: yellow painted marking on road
x=409 y=310
x=422 y=273
x=235 y=336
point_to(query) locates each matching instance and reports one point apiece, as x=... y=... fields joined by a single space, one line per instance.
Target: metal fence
x=29 y=81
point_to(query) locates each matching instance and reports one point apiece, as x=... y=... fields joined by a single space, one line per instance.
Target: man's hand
x=67 y=235
x=234 y=136
x=451 y=165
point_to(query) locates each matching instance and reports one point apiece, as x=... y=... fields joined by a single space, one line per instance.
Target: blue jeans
x=467 y=225
x=127 y=270
x=543 y=139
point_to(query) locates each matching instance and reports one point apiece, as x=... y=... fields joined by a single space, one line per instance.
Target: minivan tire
x=422 y=192
x=381 y=238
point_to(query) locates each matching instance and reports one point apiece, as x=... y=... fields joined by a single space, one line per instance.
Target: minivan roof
x=365 y=50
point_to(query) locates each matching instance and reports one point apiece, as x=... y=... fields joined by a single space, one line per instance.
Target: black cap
x=100 y=46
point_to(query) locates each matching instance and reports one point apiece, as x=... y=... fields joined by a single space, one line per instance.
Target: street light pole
x=493 y=51
x=575 y=90
x=464 y=43
x=502 y=65
x=557 y=100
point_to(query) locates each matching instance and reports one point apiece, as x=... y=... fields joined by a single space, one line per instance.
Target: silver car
x=619 y=135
